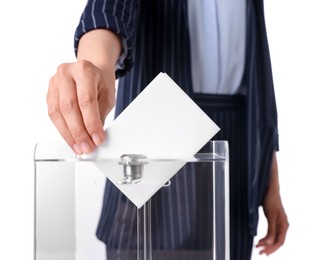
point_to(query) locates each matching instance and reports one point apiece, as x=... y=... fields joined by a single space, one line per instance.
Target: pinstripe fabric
x=229 y=113
x=182 y=214
x=262 y=133
x=118 y=16
x=162 y=46
x=155 y=40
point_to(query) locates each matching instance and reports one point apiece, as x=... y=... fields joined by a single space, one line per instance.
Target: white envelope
x=161 y=123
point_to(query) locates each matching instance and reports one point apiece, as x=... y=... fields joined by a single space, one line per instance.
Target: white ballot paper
x=162 y=123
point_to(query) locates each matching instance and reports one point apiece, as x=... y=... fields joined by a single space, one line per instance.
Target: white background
x=37 y=35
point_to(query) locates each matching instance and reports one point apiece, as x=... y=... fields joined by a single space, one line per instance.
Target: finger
x=264 y=245
x=69 y=108
x=280 y=235
x=270 y=249
x=279 y=239
x=261 y=243
x=269 y=239
x=87 y=96
x=57 y=118
x=106 y=103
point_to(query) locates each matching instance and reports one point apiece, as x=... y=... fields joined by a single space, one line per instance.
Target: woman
x=193 y=42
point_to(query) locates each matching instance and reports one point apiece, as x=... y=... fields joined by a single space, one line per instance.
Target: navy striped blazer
x=155 y=38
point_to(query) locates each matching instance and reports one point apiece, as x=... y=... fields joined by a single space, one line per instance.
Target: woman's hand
x=276 y=217
x=81 y=94
x=79 y=98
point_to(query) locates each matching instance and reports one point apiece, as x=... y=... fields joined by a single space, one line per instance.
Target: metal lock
x=133 y=168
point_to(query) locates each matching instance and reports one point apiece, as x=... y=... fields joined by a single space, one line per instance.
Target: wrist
x=102 y=48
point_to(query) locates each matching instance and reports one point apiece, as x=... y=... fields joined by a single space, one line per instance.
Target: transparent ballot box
x=81 y=215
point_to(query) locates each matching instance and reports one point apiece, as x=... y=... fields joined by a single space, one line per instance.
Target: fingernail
x=77 y=149
x=85 y=147
x=97 y=139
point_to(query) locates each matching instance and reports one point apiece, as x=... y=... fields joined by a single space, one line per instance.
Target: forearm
x=101 y=47
x=274 y=211
x=273 y=186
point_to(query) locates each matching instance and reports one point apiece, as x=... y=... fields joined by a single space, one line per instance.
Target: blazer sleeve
x=118 y=16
